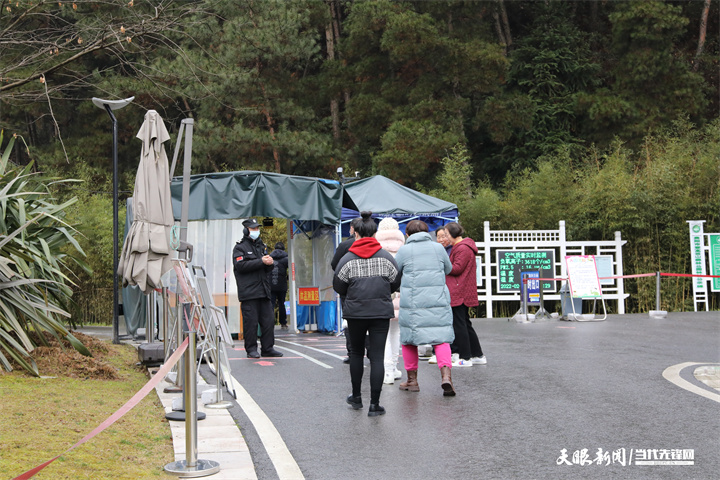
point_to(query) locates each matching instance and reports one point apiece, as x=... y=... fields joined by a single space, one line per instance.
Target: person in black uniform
x=279 y=282
x=251 y=266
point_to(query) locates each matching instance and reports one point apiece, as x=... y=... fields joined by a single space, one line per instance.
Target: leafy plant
x=34 y=286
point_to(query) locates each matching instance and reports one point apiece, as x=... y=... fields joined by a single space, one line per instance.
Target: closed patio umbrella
x=146 y=251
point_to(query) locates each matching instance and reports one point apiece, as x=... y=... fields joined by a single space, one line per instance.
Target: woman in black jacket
x=365 y=278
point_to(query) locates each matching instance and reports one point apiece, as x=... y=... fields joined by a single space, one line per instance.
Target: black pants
x=377 y=330
x=466 y=343
x=254 y=312
x=279 y=299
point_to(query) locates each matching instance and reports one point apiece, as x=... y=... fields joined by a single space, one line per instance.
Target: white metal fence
x=489 y=290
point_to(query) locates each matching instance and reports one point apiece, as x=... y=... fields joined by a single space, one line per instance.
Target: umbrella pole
x=116 y=299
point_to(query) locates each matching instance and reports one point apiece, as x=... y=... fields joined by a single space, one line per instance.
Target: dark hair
x=454 y=229
x=279 y=246
x=416 y=226
x=366 y=227
x=355 y=222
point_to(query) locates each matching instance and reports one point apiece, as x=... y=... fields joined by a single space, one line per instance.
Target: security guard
x=251 y=265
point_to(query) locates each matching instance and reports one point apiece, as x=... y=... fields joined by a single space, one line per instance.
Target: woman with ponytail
x=365 y=279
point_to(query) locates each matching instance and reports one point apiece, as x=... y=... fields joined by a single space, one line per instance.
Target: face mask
x=254 y=234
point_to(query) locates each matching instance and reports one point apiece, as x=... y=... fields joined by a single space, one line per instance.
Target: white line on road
x=285 y=464
x=672 y=374
x=311 y=348
x=302 y=354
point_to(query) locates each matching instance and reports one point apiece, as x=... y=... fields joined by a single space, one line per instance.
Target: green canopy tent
x=313 y=205
x=386 y=198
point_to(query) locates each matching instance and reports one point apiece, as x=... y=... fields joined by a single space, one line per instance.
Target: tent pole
x=293 y=306
x=182 y=251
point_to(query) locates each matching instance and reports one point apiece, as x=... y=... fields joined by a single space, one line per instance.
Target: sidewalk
x=218 y=436
x=218 y=439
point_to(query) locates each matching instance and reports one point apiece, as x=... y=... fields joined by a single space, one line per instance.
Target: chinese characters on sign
x=697 y=256
x=625 y=457
x=511 y=264
x=582 y=276
x=532 y=291
x=308 y=296
x=714 y=241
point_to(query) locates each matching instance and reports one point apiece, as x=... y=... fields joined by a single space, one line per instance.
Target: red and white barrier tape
x=639 y=275
x=150 y=385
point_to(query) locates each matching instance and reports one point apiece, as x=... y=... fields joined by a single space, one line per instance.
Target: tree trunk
x=501 y=35
x=505 y=23
x=701 y=38
x=334 y=103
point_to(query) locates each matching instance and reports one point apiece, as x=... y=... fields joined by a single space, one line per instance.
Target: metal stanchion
x=219 y=402
x=179 y=414
x=165 y=317
x=657 y=313
x=179 y=311
x=191 y=466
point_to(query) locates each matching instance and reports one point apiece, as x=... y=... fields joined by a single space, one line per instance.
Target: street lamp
x=109 y=106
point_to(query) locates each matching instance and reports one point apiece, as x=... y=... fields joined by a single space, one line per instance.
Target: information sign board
x=697 y=255
x=604 y=268
x=511 y=263
x=582 y=276
x=308 y=296
x=532 y=292
x=714 y=241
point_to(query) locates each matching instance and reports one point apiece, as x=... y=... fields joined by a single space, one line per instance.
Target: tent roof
x=383 y=196
x=243 y=194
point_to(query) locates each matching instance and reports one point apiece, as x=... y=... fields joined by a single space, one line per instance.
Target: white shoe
x=462 y=363
x=432 y=359
x=398 y=374
x=454 y=357
x=389 y=379
x=479 y=360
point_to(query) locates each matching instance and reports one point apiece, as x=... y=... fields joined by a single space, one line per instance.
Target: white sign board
x=697 y=255
x=583 y=276
x=604 y=264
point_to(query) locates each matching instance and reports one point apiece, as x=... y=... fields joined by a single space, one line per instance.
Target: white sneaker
x=454 y=357
x=398 y=374
x=462 y=363
x=432 y=359
x=389 y=379
x=479 y=360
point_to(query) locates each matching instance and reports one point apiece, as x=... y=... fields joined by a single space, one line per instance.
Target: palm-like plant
x=34 y=286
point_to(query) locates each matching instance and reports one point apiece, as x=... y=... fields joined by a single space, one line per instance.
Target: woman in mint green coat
x=425 y=314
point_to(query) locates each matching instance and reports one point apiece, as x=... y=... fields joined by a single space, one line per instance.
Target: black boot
x=355 y=402
x=375 y=410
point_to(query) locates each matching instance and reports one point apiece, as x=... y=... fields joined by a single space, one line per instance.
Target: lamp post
x=109 y=106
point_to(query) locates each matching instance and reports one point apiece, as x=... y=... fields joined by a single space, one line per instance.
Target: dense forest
x=601 y=113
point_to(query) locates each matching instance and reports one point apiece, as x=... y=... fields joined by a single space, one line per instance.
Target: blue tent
x=386 y=198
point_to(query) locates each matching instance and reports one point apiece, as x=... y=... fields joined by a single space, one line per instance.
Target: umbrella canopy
x=146 y=251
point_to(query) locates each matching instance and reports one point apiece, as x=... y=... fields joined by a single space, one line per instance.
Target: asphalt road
x=593 y=390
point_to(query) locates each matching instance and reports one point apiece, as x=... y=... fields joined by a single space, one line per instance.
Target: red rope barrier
x=150 y=385
x=687 y=275
x=639 y=275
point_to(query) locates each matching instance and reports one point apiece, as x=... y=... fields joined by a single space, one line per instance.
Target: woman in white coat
x=391 y=239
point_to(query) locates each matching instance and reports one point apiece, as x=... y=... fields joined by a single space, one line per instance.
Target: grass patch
x=43 y=417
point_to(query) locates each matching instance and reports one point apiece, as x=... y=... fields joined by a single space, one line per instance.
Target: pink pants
x=410 y=356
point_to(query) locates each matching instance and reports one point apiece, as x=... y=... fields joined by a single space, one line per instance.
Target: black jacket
x=340 y=252
x=251 y=274
x=365 y=284
x=278 y=274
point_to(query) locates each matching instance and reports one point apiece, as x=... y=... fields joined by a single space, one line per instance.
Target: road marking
x=281 y=458
x=311 y=348
x=672 y=374
x=302 y=354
